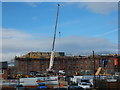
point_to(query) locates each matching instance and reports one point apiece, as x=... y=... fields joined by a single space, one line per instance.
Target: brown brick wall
x=4 y=75
x=69 y=64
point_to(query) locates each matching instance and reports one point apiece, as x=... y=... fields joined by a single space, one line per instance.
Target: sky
x=82 y=28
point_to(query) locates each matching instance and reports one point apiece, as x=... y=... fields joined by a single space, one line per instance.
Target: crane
x=50 y=69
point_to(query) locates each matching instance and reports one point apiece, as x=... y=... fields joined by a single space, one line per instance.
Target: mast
x=53 y=45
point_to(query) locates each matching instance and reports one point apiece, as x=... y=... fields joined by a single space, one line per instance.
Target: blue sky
x=73 y=20
x=81 y=21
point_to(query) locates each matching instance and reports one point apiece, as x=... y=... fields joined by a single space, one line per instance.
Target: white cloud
x=32 y=4
x=97 y=7
x=8 y=56
x=106 y=33
x=85 y=45
x=34 y=18
x=14 y=34
x=22 y=43
x=102 y=7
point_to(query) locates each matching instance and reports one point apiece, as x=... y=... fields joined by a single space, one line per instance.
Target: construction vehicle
x=99 y=70
x=50 y=69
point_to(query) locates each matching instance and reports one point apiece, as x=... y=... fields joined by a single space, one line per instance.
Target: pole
x=99 y=75
x=94 y=67
x=18 y=83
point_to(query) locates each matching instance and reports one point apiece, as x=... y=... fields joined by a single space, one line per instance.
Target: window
x=1 y=71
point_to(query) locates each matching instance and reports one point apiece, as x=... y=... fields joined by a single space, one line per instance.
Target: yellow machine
x=99 y=71
x=76 y=73
x=18 y=75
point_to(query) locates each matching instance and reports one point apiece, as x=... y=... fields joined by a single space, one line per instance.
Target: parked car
x=42 y=86
x=74 y=87
x=85 y=85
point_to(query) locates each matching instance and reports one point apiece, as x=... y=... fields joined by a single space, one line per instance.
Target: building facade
x=84 y=65
x=3 y=70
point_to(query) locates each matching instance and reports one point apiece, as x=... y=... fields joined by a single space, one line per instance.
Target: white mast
x=53 y=46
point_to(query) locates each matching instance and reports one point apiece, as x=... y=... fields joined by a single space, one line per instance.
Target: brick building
x=36 y=62
x=3 y=70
